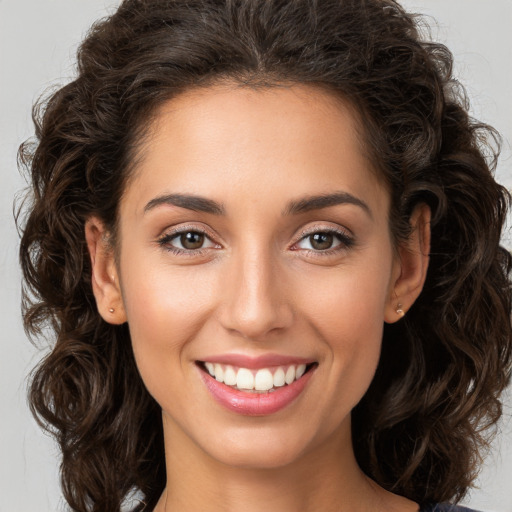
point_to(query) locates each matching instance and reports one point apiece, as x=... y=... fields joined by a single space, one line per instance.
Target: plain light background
x=38 y=39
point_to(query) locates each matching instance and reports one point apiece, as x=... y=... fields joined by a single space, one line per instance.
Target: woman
x=266 y=235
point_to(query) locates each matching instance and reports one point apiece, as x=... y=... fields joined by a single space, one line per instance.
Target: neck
x=328 y=479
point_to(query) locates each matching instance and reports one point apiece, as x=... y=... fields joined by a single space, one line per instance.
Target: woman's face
x=254 y=240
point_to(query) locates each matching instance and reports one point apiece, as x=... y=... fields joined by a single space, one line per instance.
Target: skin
x=258 y=286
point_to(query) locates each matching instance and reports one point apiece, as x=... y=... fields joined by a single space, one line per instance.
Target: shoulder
x=445 y=507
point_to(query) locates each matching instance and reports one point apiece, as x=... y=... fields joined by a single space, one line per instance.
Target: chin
x=257 y=456
x=266 y=447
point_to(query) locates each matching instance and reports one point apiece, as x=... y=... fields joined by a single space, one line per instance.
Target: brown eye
x=325 y=241
x=189 y=242
x=192 y=240
x=321 y=241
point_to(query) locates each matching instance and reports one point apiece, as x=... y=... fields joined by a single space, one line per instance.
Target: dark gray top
x=445 y=507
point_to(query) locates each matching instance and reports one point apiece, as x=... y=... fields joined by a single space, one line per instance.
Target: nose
x=255 y=300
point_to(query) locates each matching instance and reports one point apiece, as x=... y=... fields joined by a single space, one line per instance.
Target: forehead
x=226 y=139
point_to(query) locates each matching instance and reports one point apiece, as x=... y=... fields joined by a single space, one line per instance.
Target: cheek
x=349 y=299
x=164 y=299
x=346 y=310
x=165 y=308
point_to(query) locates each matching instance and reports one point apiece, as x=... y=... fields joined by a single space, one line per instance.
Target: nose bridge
x=255 y=303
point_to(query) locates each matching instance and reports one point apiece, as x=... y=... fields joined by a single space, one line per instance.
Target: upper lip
x=255 y=362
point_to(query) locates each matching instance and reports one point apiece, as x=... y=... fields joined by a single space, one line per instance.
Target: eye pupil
x=192 y=240
x=322 y=241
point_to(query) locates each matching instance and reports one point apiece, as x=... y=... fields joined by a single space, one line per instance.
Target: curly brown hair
x=420 y=428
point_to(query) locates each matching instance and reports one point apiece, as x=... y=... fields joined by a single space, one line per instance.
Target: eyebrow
x=324 y=201
x=188 y=201
x=306 y=204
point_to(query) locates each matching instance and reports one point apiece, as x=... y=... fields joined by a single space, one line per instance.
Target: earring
x=399 y=310
x=111 y=310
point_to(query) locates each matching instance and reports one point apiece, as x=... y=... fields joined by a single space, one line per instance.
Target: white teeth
x=211 y=368
x=279 y=378
x=244 y=379
x=229 y=376
x=290 y=375
x=300 y=371
x=219 y=373
x=261 y=380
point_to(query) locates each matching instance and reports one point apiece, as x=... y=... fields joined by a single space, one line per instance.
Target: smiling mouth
x=261 y=380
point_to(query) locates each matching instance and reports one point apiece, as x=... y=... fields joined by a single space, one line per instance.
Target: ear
x=104 y=275
x=410 y=267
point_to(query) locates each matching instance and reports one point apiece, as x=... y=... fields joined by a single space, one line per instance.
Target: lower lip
x=255 y=404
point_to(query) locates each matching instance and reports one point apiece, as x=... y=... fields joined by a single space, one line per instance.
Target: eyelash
x=346 y=241
x=165 y=240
